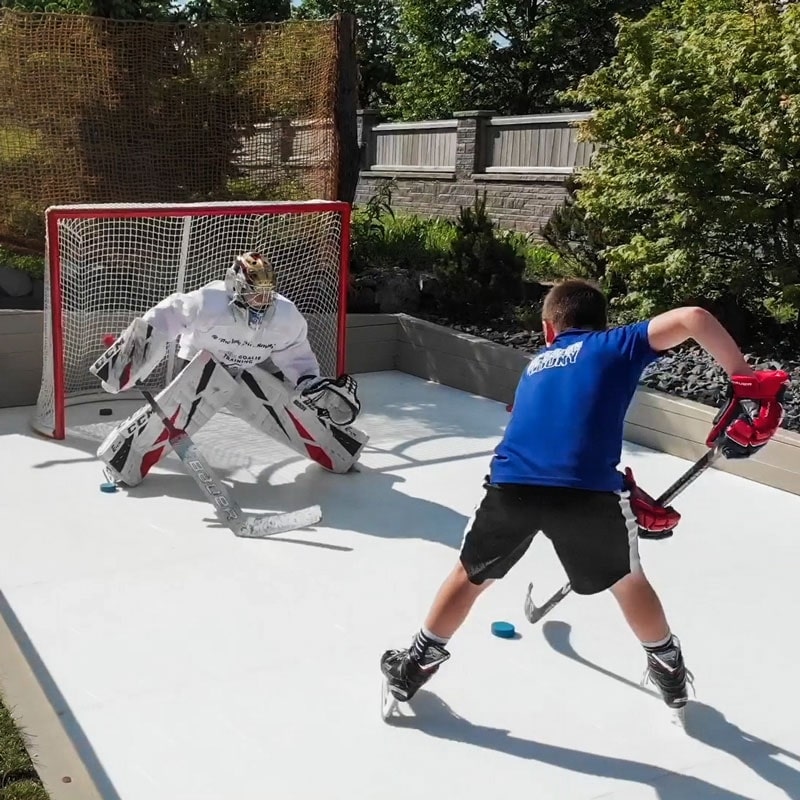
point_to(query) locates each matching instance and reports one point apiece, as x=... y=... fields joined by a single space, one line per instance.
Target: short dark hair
x=576 y=303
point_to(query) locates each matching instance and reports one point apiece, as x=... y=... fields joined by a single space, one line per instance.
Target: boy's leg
x=497 y=536
x=453 y=602
x=596 y=537
x=645 y=616
x=641 y=607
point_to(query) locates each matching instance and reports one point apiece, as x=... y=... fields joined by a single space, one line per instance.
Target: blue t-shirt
x=569 y=409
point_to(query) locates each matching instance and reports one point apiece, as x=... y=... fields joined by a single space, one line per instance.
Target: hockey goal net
x=107 y=264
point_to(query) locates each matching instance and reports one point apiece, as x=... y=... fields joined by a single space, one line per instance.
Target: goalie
x=247 y=349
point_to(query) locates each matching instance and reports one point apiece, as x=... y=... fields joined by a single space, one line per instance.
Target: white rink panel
x=193 y=665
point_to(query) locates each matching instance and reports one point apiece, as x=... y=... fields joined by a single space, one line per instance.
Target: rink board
x=186 y=664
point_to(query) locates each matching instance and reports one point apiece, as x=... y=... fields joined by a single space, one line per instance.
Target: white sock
x=660 y=645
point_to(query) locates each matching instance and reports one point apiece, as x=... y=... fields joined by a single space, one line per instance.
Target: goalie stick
x=252 y=526
x=534 y=613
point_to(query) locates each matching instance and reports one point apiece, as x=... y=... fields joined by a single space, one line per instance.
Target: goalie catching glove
x=655 y=521
x=752 y=414
x=334 y=398
x=131 y=358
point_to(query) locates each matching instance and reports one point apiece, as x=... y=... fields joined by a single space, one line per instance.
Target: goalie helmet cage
x=107 y=264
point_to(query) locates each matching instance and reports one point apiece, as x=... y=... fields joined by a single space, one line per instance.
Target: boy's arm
x=674 y=327
x=753 y=412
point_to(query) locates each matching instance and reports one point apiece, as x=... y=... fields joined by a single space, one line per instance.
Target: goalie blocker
x=262 y=400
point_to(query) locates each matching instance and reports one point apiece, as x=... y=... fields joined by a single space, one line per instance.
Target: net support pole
x=180 y=282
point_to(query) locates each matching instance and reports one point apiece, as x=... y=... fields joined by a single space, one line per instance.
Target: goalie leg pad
x=271 y=406
x=135 y=446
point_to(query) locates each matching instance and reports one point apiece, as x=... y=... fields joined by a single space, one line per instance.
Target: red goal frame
x=56 y=339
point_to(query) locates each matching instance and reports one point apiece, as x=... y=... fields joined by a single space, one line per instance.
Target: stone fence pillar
x=470 y=134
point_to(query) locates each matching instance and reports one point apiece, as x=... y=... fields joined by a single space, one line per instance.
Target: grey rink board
x=377 y=342
x=371 y=347
x=669 y=424
x=20 y=357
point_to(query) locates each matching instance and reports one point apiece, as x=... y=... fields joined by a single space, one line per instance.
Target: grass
x=18 y=777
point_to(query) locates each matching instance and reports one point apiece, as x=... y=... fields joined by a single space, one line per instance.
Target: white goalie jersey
x=204 y=320
x=224 y=329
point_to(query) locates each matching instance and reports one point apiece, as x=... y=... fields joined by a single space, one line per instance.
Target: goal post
x=107 y=264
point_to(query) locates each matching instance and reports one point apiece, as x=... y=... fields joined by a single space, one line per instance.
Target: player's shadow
x=366 y=501
x=704 y=723
x=434 y=717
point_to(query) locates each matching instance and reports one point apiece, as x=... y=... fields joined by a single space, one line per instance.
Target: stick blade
x=532 y=613
x=259 y=527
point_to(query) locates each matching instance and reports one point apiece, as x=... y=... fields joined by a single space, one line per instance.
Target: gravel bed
x=687 y=372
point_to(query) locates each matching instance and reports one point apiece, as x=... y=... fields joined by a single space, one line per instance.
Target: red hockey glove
x=655 y=521
x=752 y=414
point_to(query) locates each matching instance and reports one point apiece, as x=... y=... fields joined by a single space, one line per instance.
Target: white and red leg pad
x=274 y=407
x=136 y=445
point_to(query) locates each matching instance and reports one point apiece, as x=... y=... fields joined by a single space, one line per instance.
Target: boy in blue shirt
x=555 y=471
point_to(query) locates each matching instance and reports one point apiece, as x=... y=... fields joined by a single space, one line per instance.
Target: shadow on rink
x=703 y=723
x=434 y=717
x=385 y=511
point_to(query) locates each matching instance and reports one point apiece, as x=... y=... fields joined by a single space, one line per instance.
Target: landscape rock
x=14 y=282
x=687 y=372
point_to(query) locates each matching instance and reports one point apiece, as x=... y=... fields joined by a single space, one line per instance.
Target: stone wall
x=521 y=163
x=517 y=202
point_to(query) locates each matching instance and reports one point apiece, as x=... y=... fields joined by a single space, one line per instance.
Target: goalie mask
x=250 y=281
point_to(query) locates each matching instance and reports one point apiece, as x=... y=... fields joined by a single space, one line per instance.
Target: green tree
x=238 y=11
x=514 y=56
x=113 y=9
x=378 y=33
x=696 y=188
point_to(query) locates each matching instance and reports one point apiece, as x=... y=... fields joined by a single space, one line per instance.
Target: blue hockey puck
x=108 y=487
x=505 y=630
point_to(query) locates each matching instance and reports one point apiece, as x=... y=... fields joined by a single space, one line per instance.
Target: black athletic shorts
x=594 y=534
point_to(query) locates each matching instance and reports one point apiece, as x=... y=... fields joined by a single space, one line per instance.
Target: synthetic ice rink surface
x=188 y=664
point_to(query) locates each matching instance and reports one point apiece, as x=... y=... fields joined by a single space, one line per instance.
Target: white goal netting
x=108 y=264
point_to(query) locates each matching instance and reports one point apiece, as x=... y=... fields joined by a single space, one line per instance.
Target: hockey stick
x=228 y=510
x=534 y=613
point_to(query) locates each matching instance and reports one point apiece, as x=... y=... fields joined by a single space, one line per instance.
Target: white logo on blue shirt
x=555 y=358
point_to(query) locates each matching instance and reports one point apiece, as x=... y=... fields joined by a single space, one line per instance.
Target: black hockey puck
x=106 y=412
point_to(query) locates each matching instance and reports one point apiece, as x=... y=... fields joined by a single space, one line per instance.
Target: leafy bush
x=479 y=270
x=693 y=196
x=33 y=265
x=383 y=239
x=579 y=242
x=267 y=189
x=484 y=274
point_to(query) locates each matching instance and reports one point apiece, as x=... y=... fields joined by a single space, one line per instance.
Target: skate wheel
x=505 y=630
x=108 y=487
